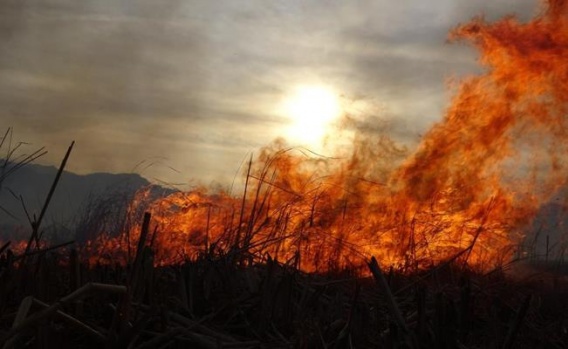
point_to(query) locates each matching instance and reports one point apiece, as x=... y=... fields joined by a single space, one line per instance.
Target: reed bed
x=240 y=296
x=218 y=301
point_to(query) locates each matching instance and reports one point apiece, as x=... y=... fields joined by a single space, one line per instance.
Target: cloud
x=197 y=81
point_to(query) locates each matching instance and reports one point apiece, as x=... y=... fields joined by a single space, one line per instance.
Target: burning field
x=477 y=178
x=458 y=204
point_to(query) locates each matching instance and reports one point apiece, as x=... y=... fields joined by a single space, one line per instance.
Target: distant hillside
x=32 y=184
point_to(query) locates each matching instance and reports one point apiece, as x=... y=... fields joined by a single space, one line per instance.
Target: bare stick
x=139 y=250
x=75 y=322
x=391 y=302
x=37 y=223
x=52 y=309
x=512 y=333
x=5 y=246
x=238 y=238
x=45 y=250
x=23 y=311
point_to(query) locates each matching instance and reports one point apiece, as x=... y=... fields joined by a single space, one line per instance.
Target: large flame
x=477 y=177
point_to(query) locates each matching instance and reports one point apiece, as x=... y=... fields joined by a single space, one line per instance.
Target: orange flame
x=477 y=177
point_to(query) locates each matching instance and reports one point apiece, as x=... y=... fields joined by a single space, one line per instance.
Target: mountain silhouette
x=29 y=186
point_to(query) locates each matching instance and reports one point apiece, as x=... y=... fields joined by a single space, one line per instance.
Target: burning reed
x=217 y=270
x=477 y=178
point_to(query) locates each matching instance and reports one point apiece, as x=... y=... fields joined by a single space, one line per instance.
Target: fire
x=477 y=177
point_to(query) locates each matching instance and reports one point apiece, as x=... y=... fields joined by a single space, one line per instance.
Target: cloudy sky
x=197 y=85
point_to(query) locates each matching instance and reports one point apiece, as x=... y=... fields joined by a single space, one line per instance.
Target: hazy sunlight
x=311 y=110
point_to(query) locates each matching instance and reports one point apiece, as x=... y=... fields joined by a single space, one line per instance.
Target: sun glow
x=311 y=110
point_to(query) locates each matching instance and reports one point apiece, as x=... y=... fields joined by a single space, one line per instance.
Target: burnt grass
x=50 y=299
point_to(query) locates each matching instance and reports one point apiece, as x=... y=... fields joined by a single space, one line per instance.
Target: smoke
x=194 y=81
x=478 y=176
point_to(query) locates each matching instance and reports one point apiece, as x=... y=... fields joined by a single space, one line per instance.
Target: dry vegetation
x=50 y=299
x=303 y=259
x=240 y=297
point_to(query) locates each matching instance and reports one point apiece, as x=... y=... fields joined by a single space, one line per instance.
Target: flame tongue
x=503 y=138
x=477 y=176
x=520 y=99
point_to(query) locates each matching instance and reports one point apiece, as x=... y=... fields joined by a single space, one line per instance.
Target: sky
x=182 y=91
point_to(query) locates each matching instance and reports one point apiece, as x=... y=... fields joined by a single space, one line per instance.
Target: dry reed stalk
x=516 y=324
x=162 y=338
x=391 y=301
x=19 y=161
x=135 y=274
x=5 y=246
x=243 y=203
x=75 y=278
x=121 y=329
x=392 y=304
x=192 y=325
x=26 y=322
x=44 y=250
x=95 y=334
x=36 y=224
x=21 y=315
x=479 y=230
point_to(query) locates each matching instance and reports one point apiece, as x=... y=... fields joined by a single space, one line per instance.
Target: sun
x=311 y=109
